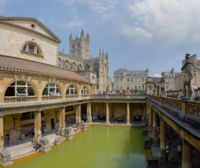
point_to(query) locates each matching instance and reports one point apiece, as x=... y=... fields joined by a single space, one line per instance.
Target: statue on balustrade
x=162 y=84
x=188 y=70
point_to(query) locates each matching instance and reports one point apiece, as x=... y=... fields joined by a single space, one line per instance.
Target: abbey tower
x=79 y=60
x=80 y=47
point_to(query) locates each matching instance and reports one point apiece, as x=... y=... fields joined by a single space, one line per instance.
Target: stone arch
x=87 y=67
x=96 y=69
x=66 y=64
x=25 y=47
x=72 y=89
x=52 y=89
x=59 y=62
x=73 y=66
x=80 y=67
x=28 y=82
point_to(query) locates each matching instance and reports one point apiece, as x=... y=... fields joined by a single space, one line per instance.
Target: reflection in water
x=99 y=147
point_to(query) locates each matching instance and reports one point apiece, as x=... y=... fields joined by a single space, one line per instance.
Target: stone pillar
x=1 y=132
x=37 y=126
x=78 y=113
x=186 y=155
x=148 y=108
x=128 y=114
x=89 y=112
x=154 y=123
x=62 y=117
x=107 y=113
x=162 y=137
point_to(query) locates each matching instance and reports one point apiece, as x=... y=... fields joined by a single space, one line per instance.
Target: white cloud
x=74 y=23
x=169 y=21
x=156 y=75
x=102 y=7
x=131 y=31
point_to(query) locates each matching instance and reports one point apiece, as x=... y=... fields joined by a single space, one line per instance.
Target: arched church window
x=96 y=69
x=84 y=91
x=87 y=67
x=71 y=90
x=20 y=88
x=66 y=64
x=32 y=48
x=51 y=89
x=79 y=67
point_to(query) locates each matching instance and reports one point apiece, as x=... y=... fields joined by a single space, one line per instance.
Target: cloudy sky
x=137 y=34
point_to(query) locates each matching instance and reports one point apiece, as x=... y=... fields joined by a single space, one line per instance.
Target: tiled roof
x=8 y=63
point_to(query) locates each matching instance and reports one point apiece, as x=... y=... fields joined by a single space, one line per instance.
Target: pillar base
x=162 y=153
x=128 y=124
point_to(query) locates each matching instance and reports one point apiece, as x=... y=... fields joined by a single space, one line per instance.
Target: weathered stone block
x=45 y=145
x=83 y=126
x=5 y=158
x=58 y=140
x=69 y=132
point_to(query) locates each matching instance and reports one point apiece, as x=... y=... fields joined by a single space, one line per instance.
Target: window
x=32 y=48
x=51 y=90
x=20 y=88
x=128 y=79
x=71 y=90
x=84 y=91
x=131 y=80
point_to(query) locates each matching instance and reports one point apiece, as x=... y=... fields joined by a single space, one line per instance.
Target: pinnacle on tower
x=82 y=34
x=99 y=52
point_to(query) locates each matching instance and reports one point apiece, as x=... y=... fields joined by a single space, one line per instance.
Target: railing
x=19 y=99
x=185 y=110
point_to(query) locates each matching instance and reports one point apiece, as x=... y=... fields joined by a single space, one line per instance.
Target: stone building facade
x=133 y=81
x=79 y=60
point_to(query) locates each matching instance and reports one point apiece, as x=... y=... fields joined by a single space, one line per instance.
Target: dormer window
x=32 y=48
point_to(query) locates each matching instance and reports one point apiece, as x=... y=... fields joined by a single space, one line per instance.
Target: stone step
x=23 y=155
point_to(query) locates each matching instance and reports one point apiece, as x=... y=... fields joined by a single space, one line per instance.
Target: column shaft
x=162 y=136
x=128 y=114
x=78 y=113
x=186 y=156
x=37 y=126
x=148 y=108
x=107 y=113
x=62 y=117
x=154 y=123
x=1 y=132
x=89 y=112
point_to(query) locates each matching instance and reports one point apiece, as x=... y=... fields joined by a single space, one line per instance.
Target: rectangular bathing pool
x=99 y=147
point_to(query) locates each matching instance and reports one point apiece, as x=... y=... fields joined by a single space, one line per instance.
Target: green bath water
x=99 y=147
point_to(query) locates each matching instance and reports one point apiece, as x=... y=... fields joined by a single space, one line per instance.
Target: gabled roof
x=3 y=19
x=14 y=64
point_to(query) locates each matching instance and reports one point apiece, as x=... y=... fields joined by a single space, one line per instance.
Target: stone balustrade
x=188 y=111
x=20 y=99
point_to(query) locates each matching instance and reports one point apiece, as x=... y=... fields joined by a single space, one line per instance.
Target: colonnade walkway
x=174 y=126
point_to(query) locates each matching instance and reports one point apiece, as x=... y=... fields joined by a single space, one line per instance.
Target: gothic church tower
x=80 y=47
